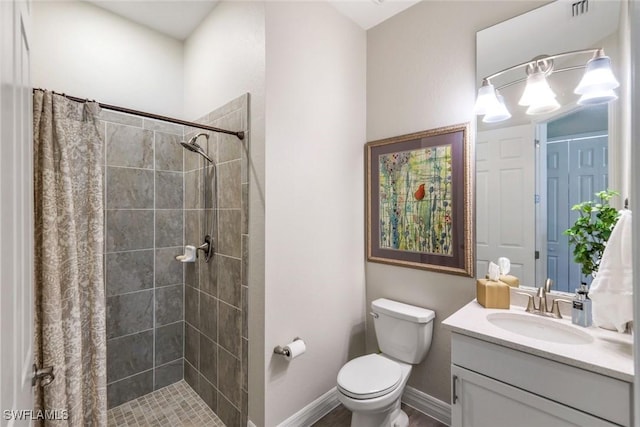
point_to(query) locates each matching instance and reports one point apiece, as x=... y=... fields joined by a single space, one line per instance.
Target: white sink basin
x=540 y=328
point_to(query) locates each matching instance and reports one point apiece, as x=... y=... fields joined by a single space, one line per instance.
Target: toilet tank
x=404 y=331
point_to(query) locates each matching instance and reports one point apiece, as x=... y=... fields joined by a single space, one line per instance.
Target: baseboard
x=314 y=410
x=320 y=407
x=250 y=424
x=427 y=404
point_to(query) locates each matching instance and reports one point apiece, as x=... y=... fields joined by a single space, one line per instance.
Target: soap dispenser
x=581 y=311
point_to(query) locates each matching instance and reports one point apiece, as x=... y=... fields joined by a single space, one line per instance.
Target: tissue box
x=510 y=280
x=492 y=294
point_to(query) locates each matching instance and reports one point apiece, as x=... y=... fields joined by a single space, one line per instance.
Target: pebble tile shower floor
x=176 y=405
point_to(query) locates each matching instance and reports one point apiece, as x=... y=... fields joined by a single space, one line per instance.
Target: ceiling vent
x=579 y=8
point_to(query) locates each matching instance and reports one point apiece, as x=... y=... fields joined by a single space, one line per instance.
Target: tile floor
x=341 y=417
x=179 y=406
x=176 y=405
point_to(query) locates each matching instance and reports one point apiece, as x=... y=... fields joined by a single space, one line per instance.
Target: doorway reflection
x=575 y=151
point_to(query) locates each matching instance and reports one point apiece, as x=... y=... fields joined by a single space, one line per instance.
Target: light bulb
x=487 y=100
x=543 y=107
x=499 y=113
x=537 y=91
x=598 y=76
x=597 y=97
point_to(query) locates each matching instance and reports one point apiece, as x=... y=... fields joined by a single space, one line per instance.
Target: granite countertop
x=610 y=353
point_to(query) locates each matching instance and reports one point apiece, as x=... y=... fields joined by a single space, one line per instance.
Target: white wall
x=421 y=75
x=315 y=131
x=85 y=51
x=224 y=58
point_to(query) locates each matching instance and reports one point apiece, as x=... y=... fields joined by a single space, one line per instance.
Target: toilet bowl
x=371 y=386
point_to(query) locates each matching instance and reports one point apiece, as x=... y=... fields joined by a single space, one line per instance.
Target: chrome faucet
x=542 y=307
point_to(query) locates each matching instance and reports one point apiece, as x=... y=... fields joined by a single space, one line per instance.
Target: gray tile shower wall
x=144 y=232
x=216 y=338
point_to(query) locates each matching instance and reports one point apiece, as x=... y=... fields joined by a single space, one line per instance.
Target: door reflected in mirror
x=572 y=167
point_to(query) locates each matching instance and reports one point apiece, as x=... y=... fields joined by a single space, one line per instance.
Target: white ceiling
x=175 y=18
x=369 y=13
x=178 y=18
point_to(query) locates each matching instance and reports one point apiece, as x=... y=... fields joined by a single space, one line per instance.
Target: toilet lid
x=369 y=376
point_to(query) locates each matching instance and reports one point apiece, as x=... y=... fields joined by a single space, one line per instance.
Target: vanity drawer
x=593 y=393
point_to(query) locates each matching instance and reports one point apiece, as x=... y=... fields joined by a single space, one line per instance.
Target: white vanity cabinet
x=482 y=401
x=497 y=386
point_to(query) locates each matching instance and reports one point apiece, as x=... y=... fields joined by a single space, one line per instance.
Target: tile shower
x=144 y=231
x=216 y=344
x=166 y=320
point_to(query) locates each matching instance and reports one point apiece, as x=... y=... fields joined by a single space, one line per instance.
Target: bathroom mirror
x=531 y=169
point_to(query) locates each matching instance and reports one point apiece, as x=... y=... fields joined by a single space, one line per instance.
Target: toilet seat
x=369 y=376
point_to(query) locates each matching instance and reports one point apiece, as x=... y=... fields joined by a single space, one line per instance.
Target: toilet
x=371 y=386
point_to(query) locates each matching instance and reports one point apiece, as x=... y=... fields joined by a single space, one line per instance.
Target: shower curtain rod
x=239 y=134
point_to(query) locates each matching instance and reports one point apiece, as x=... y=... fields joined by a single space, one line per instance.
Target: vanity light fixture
x=499 y=113
x=598 y=81
x=538 y=95
x=595 y=87
x=487 y=99
x=597 y=97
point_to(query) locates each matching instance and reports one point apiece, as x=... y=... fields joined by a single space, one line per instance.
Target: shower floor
x=176 y=405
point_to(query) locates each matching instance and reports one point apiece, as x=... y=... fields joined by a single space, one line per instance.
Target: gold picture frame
x=419 y=200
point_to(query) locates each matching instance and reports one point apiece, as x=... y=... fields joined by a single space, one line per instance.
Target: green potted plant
x=590 y=232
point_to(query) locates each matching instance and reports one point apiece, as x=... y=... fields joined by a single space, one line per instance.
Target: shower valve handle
x=207 y=247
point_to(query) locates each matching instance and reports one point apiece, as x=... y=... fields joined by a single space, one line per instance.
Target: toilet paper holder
x=283 y=351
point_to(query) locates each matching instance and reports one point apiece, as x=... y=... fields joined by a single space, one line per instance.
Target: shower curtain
x=70 y=331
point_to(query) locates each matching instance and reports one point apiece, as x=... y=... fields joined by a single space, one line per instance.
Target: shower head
x=192 y=145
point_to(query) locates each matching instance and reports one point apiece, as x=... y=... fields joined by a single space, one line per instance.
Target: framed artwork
x=419 y=200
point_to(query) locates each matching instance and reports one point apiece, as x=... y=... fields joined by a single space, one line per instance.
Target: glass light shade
x=537 y=91
x=543 y=107
x=499 y=113
x=595 y=97
x=487 y=100
x=597 y=77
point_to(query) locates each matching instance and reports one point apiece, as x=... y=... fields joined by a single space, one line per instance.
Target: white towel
x=612 y=288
